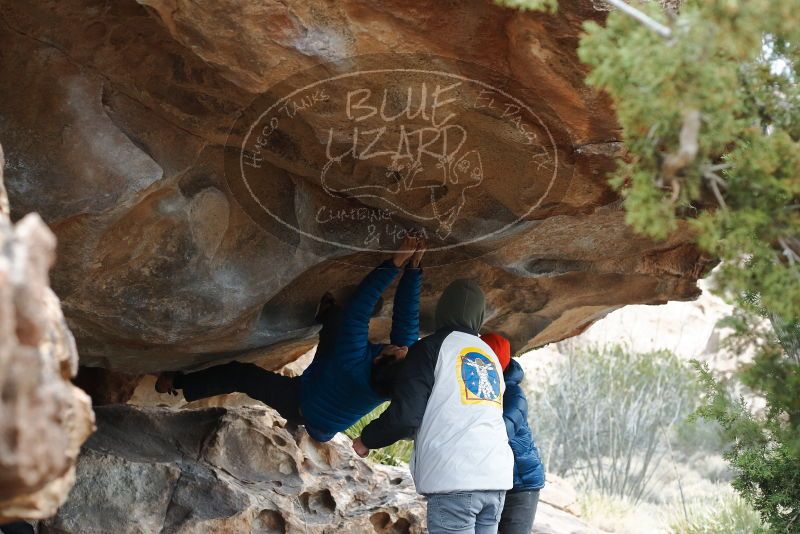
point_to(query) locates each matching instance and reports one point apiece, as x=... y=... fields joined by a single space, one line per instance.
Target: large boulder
x=44 y=419
x=228 y=470
x=125 y=122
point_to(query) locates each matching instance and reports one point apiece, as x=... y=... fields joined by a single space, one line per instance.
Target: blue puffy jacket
x=335 y=389
x=528 y=468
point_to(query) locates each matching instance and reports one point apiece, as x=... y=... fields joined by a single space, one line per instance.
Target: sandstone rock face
x=227 y=470
x=116 y=119
x=44 y=419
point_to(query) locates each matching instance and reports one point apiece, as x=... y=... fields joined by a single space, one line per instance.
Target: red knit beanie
x=500 y=346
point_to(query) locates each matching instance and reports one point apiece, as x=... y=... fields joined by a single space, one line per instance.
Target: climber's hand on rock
x=404 y=251
x=164 y=383
x=360 y=448
x=416 y=258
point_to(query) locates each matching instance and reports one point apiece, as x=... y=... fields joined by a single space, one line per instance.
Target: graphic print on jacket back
x=478 y=377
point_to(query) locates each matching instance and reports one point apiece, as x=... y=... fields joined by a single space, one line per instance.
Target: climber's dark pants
x=19 y=527
x=277 y=391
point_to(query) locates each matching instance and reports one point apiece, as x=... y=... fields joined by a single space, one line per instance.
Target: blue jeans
x=518 y=512
x=467 y=512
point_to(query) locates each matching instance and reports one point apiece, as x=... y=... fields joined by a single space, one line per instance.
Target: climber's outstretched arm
x=353 y=336
x=405 y=314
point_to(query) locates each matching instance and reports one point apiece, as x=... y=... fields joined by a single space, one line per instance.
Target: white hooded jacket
x=448 y=396
x=462 y=443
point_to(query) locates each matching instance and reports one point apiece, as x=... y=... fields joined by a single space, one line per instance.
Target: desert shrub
x=395 y=454
x=729 y=514
x=698 y=444
x=764 y=448
x=603 y=416
x=692 y=437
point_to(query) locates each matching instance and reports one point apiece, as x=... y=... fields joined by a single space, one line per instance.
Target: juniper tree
x=708 y=99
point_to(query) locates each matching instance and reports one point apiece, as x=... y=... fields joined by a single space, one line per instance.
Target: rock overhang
x=119 y=135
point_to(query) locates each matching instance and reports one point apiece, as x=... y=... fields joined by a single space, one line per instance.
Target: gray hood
x=461 y=307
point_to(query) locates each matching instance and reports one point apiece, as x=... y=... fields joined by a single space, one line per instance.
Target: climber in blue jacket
x=519 y=509
x=349 y=376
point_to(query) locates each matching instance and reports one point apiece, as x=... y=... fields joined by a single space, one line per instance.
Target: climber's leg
x=277 y=391
x=18 y=527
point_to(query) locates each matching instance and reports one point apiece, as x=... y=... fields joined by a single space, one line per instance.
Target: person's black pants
x=277 y=391
x=18 y=527
x=518 y=512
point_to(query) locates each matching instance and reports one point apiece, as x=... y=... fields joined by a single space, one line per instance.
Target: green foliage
x=603 y=416
x=727 y=515
x=395 y=454
x=732 y=65
x=735 y=63
x=711 y=122
x=764 y=449
x=542 y=5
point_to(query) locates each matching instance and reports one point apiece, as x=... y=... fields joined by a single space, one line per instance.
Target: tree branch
x=687 y=151
x=645 y=19
x=788 y=251
x=714 y=182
